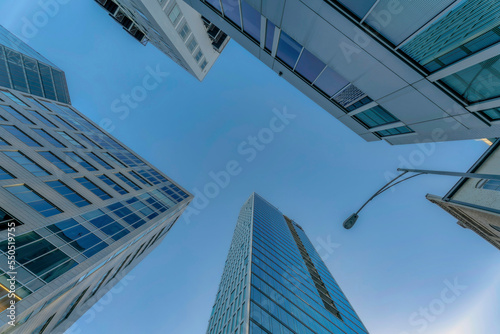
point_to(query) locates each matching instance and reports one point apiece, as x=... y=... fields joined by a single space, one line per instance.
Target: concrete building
x=476 y=202
x=274 y=281
x=78 y=210
x=174 y=28
x=399 y=70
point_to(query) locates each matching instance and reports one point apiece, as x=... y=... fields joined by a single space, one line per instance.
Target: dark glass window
x=13 y=130
x=93 y=188
x=37 y=202
x=184 y=31
x=70 y=139
x=4 y=175
x=288 y=50
x=48 y=137
x=3 y=142
x=6 y=221
x=376 y=116
x=140 y=178
x=14 y=98
x=99 y=160
x=309 y=66
x=106 y=224
x=47 y=82
x=51 y=157
x=16 y=114
x=60 y=85
x=115 y=160
x=81 y=161
x=78 y=236
x=41 y=118
x=492 y=114
x=27 y=163
x=231 y=10
x=126 y=214
x=127 y=181
x=85 y=138
x=270 y=35
x=251 y=20
x=215 y=4
x=33 y=76
x=395 y=131
x=38 y=104
x=69 y=193
x=330 y=82
x=119 y=189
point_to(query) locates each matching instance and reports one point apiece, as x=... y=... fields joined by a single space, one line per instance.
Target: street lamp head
x=349 y=222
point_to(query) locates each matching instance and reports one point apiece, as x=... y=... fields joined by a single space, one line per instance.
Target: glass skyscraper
x=78 y=211
x=274 y=281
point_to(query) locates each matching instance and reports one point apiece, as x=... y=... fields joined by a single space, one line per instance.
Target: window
x=41 y=118
x=3 y=142
x=6 y=221
x=492 y=114
x=140 y=178
x=489 y=184
x=127 y=215
x=251 y=20
x=184 y=32
x=127 y=181
x=70 y=139
x=14 y=98
x=4 y=175
x=69 y=193
x=198 y=56
x=48 y=137
x=21 y=135
x=375 y=116
x=27 y=163
x=112 y=184
x=37 y=202
x=215 y=4
x=203 y=64
x=16 y=114
x=396 y=131
x=99 y=160
x=232 y=11
x=288 y=50
x=51 y=157
x=192 y=45
x=115 y=160
x=309 y=66
x=93 y=188
x=85 y=138
x=330 y=82
x=38 y=104
x=175 y=15
x=40 y=329
x=81 y=161
x=270 y=35
x=78 y=236
x=106 y=224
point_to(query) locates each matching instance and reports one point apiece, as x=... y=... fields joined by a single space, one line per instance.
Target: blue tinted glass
x=127 y=181
x=41 y=118
x=57 y=162
x=27 y=163
x=376 y=116
x=270 y=35
x=112 y=184
x=492 y=114
x=48 y=137
x=251 y=20
x=394 y=131
x=13 y=112
x=3 y=142
x=82 y=162
x=330 y=82
x=288 y=50
x=4 y=175
x=232 y=11
x=21 y=135
x=93 y=188
x=69 y=193
x=215 y=4
x=34 y=200
x=99 y=160
x=309 y=66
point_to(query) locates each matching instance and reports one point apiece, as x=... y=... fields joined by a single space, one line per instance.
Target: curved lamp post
x=351 y=220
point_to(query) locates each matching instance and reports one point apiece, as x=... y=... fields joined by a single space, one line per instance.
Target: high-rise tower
x=78 y=210
x=274 y=281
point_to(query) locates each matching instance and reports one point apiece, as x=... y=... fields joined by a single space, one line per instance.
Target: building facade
x=476 y=202
x=274 y=281
x=402 y=71
x=172 y=27
x=78 y=211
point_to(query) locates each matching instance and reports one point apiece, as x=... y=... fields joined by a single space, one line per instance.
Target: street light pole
x=351 y=220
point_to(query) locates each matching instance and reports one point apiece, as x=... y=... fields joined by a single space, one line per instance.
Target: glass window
x=99 y=160
x=48 y=137
x=288 y=50
x=14 y=98
x=231 y=10
x=395 y=131
x=198 y=56
x=86 y=139
x=140 y=178
x=184 y=32
x=69 y=193
x=192 y=45
x=37 y=202
x=27 y=163
x=52 y=158
x=127 y=181
x=78 y=236
x=492 y=114
x=16 y=114
x=6 y=221
x=93 y=188
x=81 y=161
x=375 y=116
x=106 y=224
x=3 y=142
x=21 y=135
x=175 y=15
x=215 y=4
x=330 y=82
x=115 y=160
x=70 y=139
x=270 y=35
x=41 y=118
x=251 y=20
x=112 y=184
x=477 y=83
x=4 y=175
x=38 y=104
x=491 y=185
x=126 y=214
x=204 y=64
x=309 y=66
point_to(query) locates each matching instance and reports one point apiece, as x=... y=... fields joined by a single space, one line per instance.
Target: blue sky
x=393 y=265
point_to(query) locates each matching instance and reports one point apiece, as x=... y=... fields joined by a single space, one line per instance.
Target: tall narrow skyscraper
x=274 y=281
x=78 y=211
